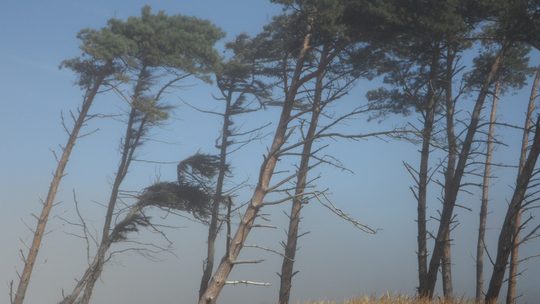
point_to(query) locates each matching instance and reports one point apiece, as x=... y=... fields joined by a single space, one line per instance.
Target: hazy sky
x=336 y=261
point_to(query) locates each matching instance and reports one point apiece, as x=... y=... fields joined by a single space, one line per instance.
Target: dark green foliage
x=243 y=72
x=410 y=79
x=180 y=42
x=122 y=229
x=198 y=166
x=192 y=193
x=105 y=44
x=175 y=196
x=514 y=68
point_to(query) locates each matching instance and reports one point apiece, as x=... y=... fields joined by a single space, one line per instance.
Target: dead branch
x=341 y=214
x=247 y=283
x=269 y=250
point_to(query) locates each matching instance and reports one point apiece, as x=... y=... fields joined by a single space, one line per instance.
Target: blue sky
x=336 y=261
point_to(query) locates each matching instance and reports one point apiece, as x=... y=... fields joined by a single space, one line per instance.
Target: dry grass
x=397 y=299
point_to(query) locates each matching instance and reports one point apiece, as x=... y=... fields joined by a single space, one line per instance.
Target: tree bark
x=49 y=201
x=297 y=202
x=267 y=168
x=506 y=236
x=448 y=289
x=485 y=197
x=213 y=229
x=423 y=176
x=450 y=200
x=131 y=141
x=512 y=276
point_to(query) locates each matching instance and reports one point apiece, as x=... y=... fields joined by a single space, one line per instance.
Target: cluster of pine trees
x=304 y=60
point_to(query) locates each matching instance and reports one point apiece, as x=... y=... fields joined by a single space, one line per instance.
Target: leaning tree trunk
x=297 y=202
x=92 y=274
x=506 y=237
x=267 y=168
x=131 y=143
x=512 y=276
x=47 y=205
x=450 y=200
x=485 y=196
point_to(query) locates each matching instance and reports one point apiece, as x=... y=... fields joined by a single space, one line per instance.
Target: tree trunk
x=485 y=196
x=512 y=276
x=47 y=205
x=446 y=267
x=267 y=168
x=297 y=202
x=450 y=199
x=448 y=289
x=213 y=229
x=506 y=237
x=131 y=141
x=423 y=176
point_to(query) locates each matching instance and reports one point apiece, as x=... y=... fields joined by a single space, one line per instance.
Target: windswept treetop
x=176 y=42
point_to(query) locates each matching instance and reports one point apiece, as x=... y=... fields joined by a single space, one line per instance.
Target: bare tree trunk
x=485 y=197
x=512 y=276
x=448 y=289
x=422 y=198
x=423 y=176
x=297 y=203
x=213 y=229
x=450 y=200
x=49 y=201
x=506 y=237
x=267 y=168
x=92 y=274
x=131 y=142
x=446 y=269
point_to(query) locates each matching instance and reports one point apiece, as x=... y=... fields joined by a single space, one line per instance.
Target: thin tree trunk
x=506 y=237
x=49 y=201
x=131 y=142
x=485 y=197
x=213 y=229
x=297 y=203
x=450 y=199
x=423 y=175
x=267 y=168
x=448 y=289
x=512 y=276
x=92 y=274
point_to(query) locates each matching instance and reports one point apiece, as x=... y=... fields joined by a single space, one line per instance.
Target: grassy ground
x=398 y=299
